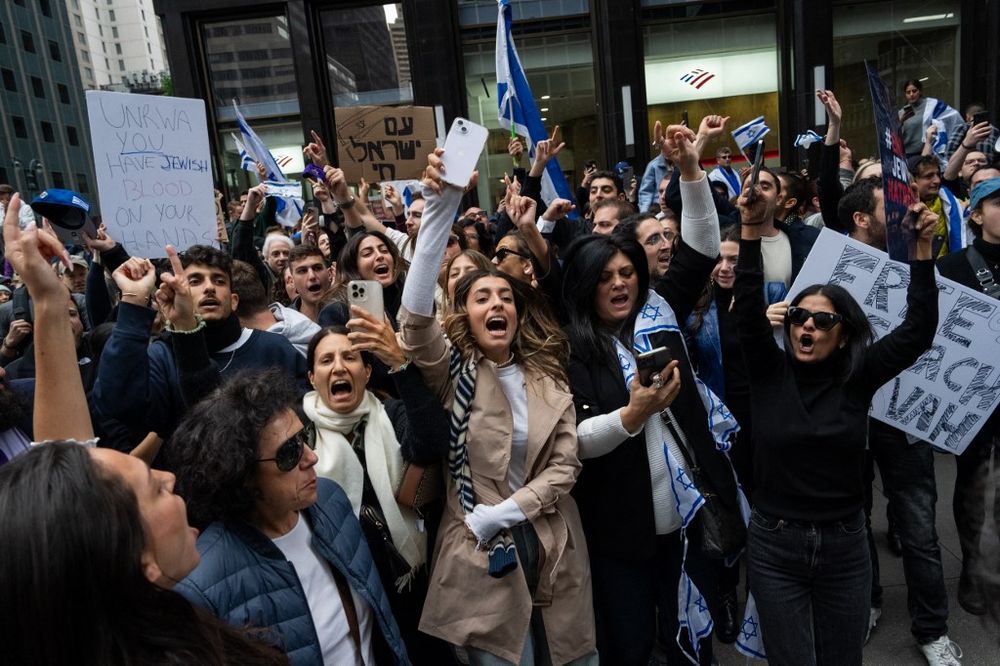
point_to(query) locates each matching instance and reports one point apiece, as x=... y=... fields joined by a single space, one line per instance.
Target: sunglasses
x=824 y=321
x=504 y=252
x=289 y=454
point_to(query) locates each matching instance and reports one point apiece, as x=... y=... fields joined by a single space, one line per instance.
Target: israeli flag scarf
x=656 y=315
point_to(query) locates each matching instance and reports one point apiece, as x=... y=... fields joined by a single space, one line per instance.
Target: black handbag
x=721 y=530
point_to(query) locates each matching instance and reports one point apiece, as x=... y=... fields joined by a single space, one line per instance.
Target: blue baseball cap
x=64 y=208
x=621 y=167
x=982 y=190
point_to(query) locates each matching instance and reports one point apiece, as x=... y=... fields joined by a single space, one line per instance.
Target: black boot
x=727 y=626
x=970 y=593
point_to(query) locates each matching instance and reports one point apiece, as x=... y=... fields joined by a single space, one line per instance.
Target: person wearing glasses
x=656 y=240
x=808 y=561
x=724 y=173
x=283 y=556
x=364 y=445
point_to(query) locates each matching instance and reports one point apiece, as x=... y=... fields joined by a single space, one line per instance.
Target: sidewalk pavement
x=891 y=643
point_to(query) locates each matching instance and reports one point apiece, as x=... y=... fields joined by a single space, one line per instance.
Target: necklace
x=507 y=362
x=231 y=357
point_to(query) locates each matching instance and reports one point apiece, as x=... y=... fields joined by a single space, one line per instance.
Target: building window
x=63 y=93
x=100 y=30
x=77 y=21
x=46 y=9
x=97 y=13
x=72 y=136
x=20 y=129
x=367 y=61
x=147 y=31
x=149 y=48
x=81 y=184
x=82 y=38
x=111 y=13
x=54 y=52
x=89 y=72
x=118 y=48
x=37 y=87
x=107 y=64
x=48 y=134
x=121 y=65
x=85 y=55
x=3 y=34
x=58 y=180
x=114 y=32
x=9 y=82
x=27 y=41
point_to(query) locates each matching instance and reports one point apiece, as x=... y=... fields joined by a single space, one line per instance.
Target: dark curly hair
x=204 y=255
x=214 y=450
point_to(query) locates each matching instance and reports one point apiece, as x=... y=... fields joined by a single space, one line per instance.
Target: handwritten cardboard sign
x=947 y=395
x=380 y=143
x=154 y=170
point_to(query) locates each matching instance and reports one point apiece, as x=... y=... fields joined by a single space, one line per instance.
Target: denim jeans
x=971 y=486
x=908 y=478
x=811 y=583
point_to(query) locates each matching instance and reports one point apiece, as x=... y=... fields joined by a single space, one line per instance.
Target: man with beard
x=149 y=386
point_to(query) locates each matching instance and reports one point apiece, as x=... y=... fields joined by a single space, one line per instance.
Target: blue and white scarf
x=656 y=316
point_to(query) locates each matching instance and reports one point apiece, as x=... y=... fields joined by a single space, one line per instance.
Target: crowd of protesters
x=238 y=464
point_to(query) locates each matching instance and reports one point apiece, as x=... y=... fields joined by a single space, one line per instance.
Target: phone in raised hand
x=758 y=162
x=367 y=295
x=462 y=148
x=651 y=362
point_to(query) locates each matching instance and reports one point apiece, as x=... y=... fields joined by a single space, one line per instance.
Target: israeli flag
x=940 y=145
x=517 y=110
x=749 y=134
x=246 y=162
x=807 y=139
x=289 y=209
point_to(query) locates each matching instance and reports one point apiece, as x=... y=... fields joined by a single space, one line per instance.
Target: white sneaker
x=942 y=652
x=873 y=616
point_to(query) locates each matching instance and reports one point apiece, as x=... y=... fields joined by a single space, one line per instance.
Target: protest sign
x=947 y=395
x=380 y=143
x=154 y=170
x=900 y=232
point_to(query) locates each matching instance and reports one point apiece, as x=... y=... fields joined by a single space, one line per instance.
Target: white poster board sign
x=947 y=395
x=154 y=170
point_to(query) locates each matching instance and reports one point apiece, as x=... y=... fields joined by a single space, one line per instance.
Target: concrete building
x=44 y=140
x=119 y=42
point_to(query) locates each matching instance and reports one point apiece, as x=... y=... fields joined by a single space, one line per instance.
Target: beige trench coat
x=465 y=606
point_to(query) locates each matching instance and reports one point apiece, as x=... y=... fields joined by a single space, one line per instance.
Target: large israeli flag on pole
x=289 y=210
x=246 y=162
x=517 y=110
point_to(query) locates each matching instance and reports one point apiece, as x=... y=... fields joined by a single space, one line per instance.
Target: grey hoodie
x=294 y=326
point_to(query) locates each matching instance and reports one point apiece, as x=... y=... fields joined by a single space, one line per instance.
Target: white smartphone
x=367 y=295
x=462 y=148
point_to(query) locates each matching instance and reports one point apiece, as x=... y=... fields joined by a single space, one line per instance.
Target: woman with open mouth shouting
x=808 y=559
x=364 y=445
x=510 y=581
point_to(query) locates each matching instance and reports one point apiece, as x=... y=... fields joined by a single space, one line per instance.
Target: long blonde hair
x=539 y=344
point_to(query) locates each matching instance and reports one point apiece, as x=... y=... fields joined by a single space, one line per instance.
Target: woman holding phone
x=614 y=313
x=510 y=530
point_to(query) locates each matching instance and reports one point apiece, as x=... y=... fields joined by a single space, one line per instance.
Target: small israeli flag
x=807 y=139
x=246 y=162
x=750 y=133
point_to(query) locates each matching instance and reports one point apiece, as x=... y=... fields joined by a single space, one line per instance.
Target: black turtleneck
x=810 y=426
x=219 y=335
x=956 y=266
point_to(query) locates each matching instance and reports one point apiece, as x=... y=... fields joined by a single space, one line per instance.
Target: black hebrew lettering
x=956 y=431
x=955 y=386
x=929 y=363
x=385 y=170
x=987 y=393
x=851 y=256
x=891 y=277
x=954 y=319
x=398 y=126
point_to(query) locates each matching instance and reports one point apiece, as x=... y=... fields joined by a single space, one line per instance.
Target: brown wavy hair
x=539 y=344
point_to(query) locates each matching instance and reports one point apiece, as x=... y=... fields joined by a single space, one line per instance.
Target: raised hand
x=174 y=295
x=363 y=188
x=136 y=279
x=976 y=134
x=925 y=221
x=30 y=253
x=712 y=126
x=558 y=209
x=644 y=401
x=522 y=211
x=834 y=114
x=679 y=146
x=336 y=182
x=377 y=337
x=102 y=243
x=395 y=200
x=516 y=149
x=261 y=170
x=776 y=314
x=255 y=196
x=545 y=150
x=431 y=176
x=315 y=151
x=753 y=214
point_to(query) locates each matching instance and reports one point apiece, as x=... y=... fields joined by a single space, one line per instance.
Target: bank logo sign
x=697 y=77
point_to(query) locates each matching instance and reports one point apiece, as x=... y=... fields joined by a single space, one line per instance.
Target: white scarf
x=337 y=461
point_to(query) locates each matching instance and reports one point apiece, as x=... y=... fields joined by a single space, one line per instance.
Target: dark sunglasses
x=824 y=321
x=289 y=454
x=503 y=253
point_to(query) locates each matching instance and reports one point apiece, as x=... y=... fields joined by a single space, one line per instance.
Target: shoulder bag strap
x=987 y=281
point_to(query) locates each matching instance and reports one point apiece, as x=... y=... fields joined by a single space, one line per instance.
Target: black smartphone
x=590 y=165
x=981 y=117
x=684 y=119
x=758 y=162
x=652 y=362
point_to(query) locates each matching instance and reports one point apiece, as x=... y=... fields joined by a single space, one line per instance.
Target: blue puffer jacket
x=245 y=579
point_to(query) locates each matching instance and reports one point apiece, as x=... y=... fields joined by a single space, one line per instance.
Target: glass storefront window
x=484 y=12
x=560 y=70
x=725 y=66
x=909 y=40
x=250 y=60
x=367 y=61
